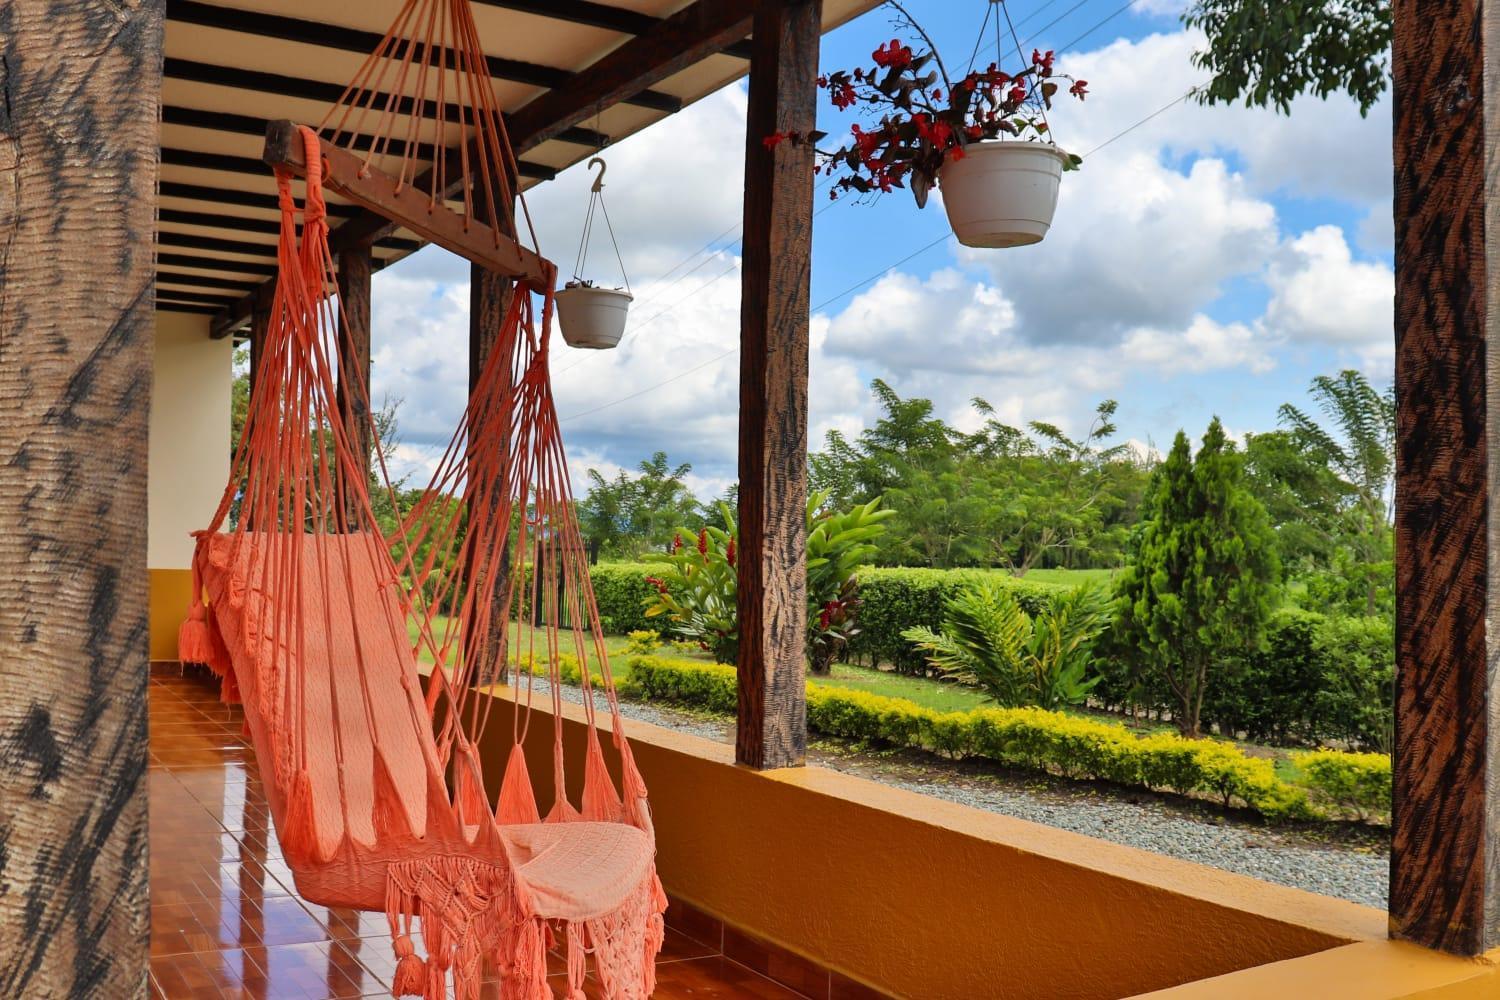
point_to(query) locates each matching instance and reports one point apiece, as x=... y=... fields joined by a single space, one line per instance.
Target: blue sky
x=1210 y=261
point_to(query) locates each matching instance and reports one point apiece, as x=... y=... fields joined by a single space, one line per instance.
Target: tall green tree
x=1203 y=582
x=1359 y=446
x=631 y=514
x=1267 y=52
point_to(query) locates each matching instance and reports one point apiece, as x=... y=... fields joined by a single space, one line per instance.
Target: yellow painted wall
x=188 y=461
x=171 y=594
x=925 y=898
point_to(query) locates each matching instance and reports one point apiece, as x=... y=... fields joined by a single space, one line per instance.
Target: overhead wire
x=886 y=269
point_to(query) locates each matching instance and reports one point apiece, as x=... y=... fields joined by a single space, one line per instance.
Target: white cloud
x=1321 y=295
x=1203 y=346
x=1134 y=243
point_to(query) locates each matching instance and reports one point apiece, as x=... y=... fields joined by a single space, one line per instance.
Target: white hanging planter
x=592 y=317
x=1002 y=194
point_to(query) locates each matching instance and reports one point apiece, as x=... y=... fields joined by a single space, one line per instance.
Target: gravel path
x=1347 y=863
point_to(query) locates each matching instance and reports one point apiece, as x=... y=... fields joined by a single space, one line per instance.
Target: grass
x=1073 y=577
x=928 y=693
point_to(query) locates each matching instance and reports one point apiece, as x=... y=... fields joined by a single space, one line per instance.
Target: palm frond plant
x=988 y=640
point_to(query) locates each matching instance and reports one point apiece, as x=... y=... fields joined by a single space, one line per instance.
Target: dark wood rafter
x=202 y=281
x=671 y=45
x=663 y=48
x=774 y=319
x=332 y=36
x=252 y=167
x=79 y=94
x=597 y=15
x=167 y=258
x=408 y=206
x=1445 y=851
x=354 y=357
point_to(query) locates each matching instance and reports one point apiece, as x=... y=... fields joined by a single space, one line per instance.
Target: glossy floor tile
x=225 y=921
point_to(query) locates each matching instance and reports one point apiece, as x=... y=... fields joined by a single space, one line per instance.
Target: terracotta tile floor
x=225 y=921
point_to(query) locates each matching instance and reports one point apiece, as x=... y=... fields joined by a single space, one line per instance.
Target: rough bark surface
x=78 y=147
x=774 y=315
x=1446 y=820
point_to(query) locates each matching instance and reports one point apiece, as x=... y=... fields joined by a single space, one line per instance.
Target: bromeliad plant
x=926 y=117
x=698 y=588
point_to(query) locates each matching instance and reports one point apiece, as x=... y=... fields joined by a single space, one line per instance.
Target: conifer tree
x=1202 y=585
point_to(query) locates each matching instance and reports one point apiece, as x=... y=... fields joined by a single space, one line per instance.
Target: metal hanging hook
x=603 y=169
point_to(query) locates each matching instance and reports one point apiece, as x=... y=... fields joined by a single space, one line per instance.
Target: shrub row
x=623 y=595
x=898 y=598
x=1057 y=743
x=1320 y=679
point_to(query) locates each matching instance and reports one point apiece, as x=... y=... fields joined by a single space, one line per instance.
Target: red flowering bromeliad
x=926 y=117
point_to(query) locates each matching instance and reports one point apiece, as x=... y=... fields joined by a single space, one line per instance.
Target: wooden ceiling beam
x=333 y=36
x=166 y=258
x=229 y=163
x=665 y=47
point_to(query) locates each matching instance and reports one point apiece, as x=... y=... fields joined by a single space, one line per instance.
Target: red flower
x=866 y=142
x=823 y=81
x=844 y=95
x=775 y=139
x=661 y=588
x=729 y=553
x=1017 y=94
x=894 y=56
x=703 y=542
x=1079 y=89
x=676 y=542
x=937 y=93
x=956 y=153
x=823 y=620
x=974 y=132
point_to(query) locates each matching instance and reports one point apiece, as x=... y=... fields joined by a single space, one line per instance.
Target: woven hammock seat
x=315 y=601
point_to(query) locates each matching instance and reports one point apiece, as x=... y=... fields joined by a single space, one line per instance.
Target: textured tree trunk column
x=78 y=147
x=772 y=728
x=1445 y=880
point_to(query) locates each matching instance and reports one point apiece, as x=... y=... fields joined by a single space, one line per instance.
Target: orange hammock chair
x=316 y=618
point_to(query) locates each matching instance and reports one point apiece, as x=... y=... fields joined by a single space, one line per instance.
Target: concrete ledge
x=921 y=897
x=1370 y=970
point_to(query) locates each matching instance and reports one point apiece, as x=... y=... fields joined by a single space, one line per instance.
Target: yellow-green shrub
x=1356 y=784
x=1025 y=738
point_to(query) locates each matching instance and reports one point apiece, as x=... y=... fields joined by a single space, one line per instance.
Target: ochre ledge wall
x=923 y=898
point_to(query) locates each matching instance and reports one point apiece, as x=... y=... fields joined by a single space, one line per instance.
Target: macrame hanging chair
x=307 y=601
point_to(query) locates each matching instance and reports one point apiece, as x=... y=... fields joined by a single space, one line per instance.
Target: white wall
x=189 y=435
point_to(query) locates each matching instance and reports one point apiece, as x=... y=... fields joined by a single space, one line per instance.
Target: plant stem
x=932 y=46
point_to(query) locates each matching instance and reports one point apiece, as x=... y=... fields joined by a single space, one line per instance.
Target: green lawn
x=928 y=693
x=1073 y=577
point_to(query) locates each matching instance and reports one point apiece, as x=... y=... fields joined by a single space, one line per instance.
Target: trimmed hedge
x=898 y=598
x=623 y=595
x=1358 y=785
x=1056 y=743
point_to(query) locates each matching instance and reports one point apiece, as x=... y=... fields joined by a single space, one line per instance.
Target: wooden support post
x=80 y=90
x=490 y=294
x=1445 y=851
x=777 y=261
x=354 y=356
x=260 y=326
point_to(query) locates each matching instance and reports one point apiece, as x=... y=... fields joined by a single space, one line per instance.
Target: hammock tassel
x=517 y=799
x=600 y=802
x=194 y=644
x=411 y=972
x=577 y=962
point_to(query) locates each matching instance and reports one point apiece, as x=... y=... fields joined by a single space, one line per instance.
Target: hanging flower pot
x=1002 y=194
x=588 y=315
x=592 y=317
x=983 y=137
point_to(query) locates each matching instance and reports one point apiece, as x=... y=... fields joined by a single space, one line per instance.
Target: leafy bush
x=623 y=594
x=697 y=585
x=642 y=642
x=1357 y=784
x=1025 y=738
x=898 y=598
x=1016 y=658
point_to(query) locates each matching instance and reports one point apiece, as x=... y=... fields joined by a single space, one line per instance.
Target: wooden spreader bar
x=347 y=174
